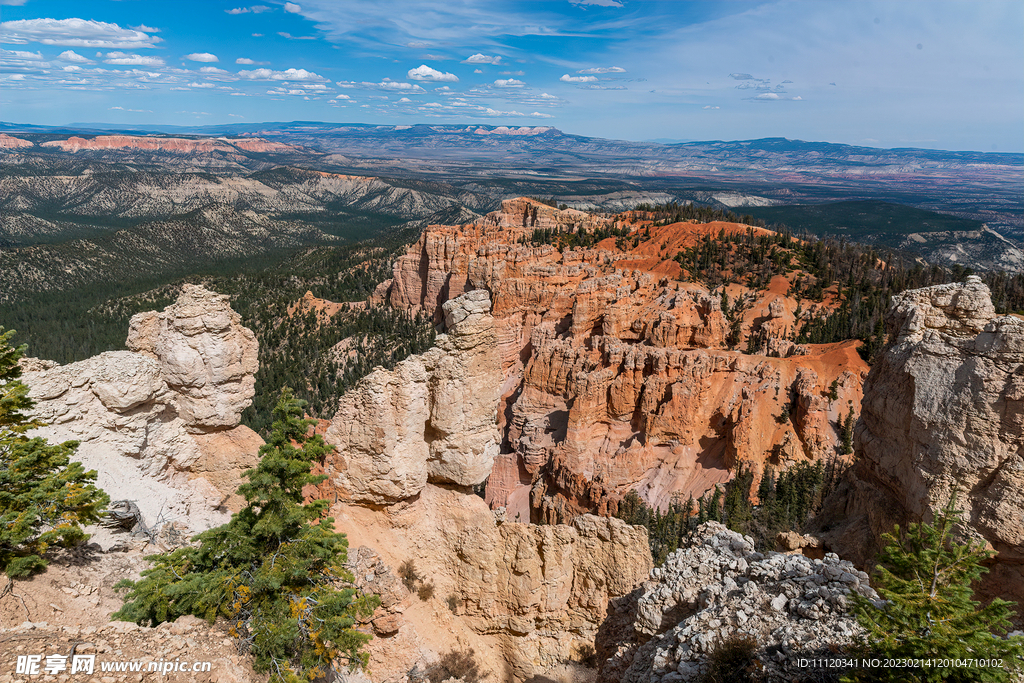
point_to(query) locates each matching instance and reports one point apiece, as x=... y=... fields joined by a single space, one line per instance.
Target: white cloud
x=487 y=111
x=508 y=83
x=255 y=9
x=708 y=106
x=141 y=111
x=548 y=97
x=23 y=56
x=482 y=59
x=566 y=78
x=599 y=3
x=513 y=73
x=201 y=57
x=603 y=70
x=246 y=61
x=425 y=73
x=292 y=8
x=72 y=56
x=212 y=70
x=289 y=36
x=123 y=59
x=478 y=71
x=286 y=75
x=74 y=33
x=403 y=100
x=201 y=85
x=144 y=28
x=15 y=3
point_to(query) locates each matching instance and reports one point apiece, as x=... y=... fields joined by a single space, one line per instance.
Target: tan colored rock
x=524 y=597
x=144 y=419
x=206 y=356
x=431 y=418
x=943 y=412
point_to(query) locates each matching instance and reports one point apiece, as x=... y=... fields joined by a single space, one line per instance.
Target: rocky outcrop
x=205 y=355
x=717 y=588
x=159 y=424
x=168 y=144
x=432 y=418
x=943 y=413
x=11 y=142
x=616 y=375
x=524 y=597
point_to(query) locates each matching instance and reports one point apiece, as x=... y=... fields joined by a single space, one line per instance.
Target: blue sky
x=913 y=73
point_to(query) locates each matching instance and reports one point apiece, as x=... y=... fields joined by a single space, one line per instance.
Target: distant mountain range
x=56 y=180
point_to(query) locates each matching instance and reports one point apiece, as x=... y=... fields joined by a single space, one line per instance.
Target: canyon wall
x=160 y=422
x=411 y=444
x=943 y=414
x=616 y=375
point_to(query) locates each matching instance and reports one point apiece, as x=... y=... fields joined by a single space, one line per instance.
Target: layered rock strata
x=615 y=374
x=717 y=588
x=160 y=423
x=524 y=598
x=943 y=413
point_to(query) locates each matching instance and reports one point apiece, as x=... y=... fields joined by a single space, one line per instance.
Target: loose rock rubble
x=719 y=587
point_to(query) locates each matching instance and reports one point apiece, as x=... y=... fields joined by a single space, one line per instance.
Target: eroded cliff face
x=432 y=418
x=617 y=376
x=160 y=423
x=411 y=443
x=943 y=412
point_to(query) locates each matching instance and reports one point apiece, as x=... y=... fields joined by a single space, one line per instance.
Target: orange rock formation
x=617 y=375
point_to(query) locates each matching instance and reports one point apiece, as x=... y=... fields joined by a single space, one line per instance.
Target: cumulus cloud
x=566 y=78
x=201 y=85
x=773 y=97
x=508 y=83
x=482 y=59
x=292 y=8
x=286 y=75
x=244 y=60
x=404 y=100
x=72 y=56
x=74 y=33
x=255 y=9
x=212 y=70
x=144 y=28
x=603 y=70
x=478 y=71
x=123 y=59
x=201 y=56
x=425 y=73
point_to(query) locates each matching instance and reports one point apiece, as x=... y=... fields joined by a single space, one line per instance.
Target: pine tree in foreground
x=44 y=497
x=929 y=612
x=275 y=571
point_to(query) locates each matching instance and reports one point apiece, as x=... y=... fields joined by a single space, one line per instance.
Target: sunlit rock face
x=943 y=414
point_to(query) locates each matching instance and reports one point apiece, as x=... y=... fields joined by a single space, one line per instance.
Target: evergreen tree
x=44 y=497
x=273 y=571
x=929 y=612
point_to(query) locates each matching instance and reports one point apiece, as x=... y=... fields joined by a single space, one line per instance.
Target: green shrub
x=44 y=497
x=271 y=571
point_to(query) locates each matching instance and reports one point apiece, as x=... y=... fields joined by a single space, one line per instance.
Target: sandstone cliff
x=432 y=418
x=410 y=444
x=616 y=375
x=159 y=423
x=943 y=412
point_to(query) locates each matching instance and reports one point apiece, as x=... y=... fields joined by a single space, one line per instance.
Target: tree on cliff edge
x=929 y=612
x=44 y=497
x=275 y=571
